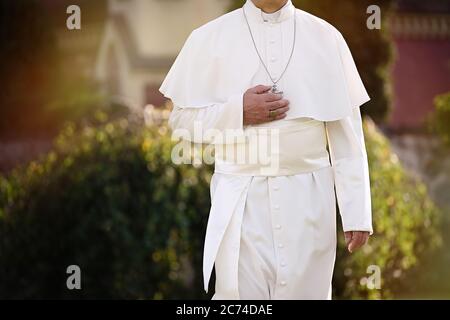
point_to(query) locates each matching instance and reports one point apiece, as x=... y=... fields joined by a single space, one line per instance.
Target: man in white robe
x=272 y=235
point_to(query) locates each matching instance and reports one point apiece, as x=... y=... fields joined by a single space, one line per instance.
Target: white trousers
x=288 y=238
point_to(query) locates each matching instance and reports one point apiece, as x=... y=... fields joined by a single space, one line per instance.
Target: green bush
x=109 y=200
x=405 y=228
x=440 y=119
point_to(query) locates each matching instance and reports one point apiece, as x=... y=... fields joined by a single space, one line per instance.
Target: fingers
x=355 y=242
x=280 y=116
x=348 y=237
x=270 y=96
x=267 y=96
x=358 y=239
x=277 y=104
x=259 y=89
x=279 y=111
x=261 y=106
x=277 y=114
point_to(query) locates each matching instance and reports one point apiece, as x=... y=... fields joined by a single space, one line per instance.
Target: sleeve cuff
x=353 y=194
x=230 y=121
x=235 y=112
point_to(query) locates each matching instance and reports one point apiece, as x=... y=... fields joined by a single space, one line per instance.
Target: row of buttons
x=273 y=58
x=278 y=227
x=273 y=52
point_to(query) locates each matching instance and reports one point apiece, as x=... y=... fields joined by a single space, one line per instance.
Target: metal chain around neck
x=260 y=58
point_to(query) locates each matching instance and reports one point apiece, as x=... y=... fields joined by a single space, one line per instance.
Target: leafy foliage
x=109 y=200
x=440 y=119
x=405 y=228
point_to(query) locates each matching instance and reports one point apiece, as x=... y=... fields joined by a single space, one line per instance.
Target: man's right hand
x=261 y=105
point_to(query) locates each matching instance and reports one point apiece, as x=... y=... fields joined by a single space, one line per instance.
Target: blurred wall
x=141 y=40
x=421 y=69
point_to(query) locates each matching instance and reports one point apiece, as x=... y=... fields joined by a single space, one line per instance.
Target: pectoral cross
x=275 y=90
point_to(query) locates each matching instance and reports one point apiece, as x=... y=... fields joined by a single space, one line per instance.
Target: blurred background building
x=135 y=52
x=124 y=47
x=421 y=71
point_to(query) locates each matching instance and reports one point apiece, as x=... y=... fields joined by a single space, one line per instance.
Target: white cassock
x=272 y=233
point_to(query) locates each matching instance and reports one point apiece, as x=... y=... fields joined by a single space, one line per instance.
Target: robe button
x=277 y=226
x=283 y=283
x=280 y=245
x=272 y=41
x=283 y=264
x=273 y=59
x=276 y=188
x=276 y=207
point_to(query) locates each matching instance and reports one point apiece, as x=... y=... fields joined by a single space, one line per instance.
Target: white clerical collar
x=256 y=14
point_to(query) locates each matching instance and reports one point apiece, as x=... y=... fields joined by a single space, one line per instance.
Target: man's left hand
x=355 y=239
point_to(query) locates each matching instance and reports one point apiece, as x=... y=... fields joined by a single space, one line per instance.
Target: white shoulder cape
x=218 y=61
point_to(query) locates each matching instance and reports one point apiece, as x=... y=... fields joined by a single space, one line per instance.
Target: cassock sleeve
x=351 y=172
x=215 y=118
